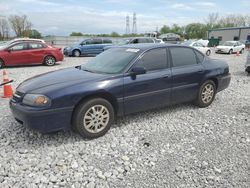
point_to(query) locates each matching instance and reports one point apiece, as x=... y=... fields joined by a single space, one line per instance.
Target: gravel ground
x=178 y=146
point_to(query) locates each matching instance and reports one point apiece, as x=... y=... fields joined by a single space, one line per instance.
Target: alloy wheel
x=207 y=93
x=96 y=118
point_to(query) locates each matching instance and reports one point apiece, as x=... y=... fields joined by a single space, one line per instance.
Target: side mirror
x=235 y=45
x=8 y=50
x=138 y=70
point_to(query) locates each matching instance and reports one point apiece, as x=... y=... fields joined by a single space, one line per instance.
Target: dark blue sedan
x=87 y=47
x=117 y=82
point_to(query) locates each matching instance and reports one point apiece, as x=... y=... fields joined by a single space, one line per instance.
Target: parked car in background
x=197 y=45
x=230 y=47
x=7 y=43
x=132 y=40
x=247 y=66
x=29 y=52
x=87 y=47
x=119 y=81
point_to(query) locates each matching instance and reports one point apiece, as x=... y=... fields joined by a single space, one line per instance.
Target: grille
x=17 y=97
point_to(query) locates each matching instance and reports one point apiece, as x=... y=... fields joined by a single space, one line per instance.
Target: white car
x=197 y=45
x=247 y=66
x=230 y=47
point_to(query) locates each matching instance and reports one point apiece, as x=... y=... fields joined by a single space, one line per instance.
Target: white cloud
x=181 y=6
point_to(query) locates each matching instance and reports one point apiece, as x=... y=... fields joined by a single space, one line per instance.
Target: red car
x=29 y=52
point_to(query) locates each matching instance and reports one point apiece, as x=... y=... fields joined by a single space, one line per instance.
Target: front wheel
x=230 y=52
x=76 y=53
x=208 y=53
x=242 y=51
x=93 y=118
x=206 y=94
x=49 y=61
x=1 y=64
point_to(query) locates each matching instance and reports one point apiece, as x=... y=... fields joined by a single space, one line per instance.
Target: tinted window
x=107 y=41
x=200 y=56
x=182 y=57
x=142 y=41
x=35 y=46
x=97 y=41
x=134 y=41
x=22 y=46
x=154 y=59
x=150 y=40
x=87 y=42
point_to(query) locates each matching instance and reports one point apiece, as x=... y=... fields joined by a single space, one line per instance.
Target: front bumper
x=67 y=52
x=45 y=121
x=223 y=82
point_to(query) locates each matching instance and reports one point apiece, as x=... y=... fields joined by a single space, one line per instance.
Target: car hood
x=58 y=79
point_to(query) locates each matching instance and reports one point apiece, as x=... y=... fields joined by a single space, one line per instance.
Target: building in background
x=230 y=34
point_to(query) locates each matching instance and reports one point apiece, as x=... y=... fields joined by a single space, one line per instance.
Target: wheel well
x=77 y=50
x=2 y=60
x=102 y=95
x=215 y=80
x=48 y=56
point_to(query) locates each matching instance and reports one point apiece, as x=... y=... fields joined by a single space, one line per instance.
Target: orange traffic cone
x=7 y=89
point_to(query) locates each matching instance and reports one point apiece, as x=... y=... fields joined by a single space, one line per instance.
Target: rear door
x=97 y=46
x=36 y=52
x=18 y=54
x=187 y=73
x=151 y=89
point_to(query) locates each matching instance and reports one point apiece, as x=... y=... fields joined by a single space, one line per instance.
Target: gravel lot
x=179 y=146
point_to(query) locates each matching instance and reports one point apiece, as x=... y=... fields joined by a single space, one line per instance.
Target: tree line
x=113 y=35
x=213 y=21
x=20 y=25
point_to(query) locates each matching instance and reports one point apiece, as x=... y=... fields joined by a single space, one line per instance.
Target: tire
x=208 y=52
x=242 y=51
x=76 y=53
x=1 y=64
x=206 y=94
x=230 y=52
x=86 y=120
x=49 y=61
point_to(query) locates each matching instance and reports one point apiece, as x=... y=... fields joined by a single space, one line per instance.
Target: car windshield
x=187 y=43
x=123 y=41
x=228 y=44
x=111 y=61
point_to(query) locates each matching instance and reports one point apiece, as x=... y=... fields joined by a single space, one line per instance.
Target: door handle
x=165 y=76
x=200 y=71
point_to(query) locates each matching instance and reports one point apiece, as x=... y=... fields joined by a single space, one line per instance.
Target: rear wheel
x=206 y=94
x=93 y=118
x=208 y=52
x=1 y=64
x=49 y=61
x=76 y=53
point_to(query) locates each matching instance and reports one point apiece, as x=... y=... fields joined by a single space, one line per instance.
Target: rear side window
x=142 y=40
x=182 y=56
x=155 y=59
x=107 y=41
x=35 y=46
x=200 y=56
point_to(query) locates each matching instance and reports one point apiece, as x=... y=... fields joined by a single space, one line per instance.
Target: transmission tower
x=127 y=25
x=134 y=30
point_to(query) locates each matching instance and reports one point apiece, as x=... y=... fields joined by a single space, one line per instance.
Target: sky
x=61 y=17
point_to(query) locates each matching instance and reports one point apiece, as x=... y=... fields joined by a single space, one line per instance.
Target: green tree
x=196 y=30
x=76 y=34
x=165 y=29
x=114 y=34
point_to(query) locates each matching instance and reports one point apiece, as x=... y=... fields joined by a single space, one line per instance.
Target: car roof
x=147 y=46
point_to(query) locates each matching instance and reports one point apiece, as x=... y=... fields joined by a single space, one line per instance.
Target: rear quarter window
x=200 y=56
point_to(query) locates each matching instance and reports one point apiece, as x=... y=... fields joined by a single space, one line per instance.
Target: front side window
x=18 y=47
x=155 y=59
x=107 y=41
x=182 y=56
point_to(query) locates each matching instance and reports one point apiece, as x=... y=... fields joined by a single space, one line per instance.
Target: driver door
x=18 y=54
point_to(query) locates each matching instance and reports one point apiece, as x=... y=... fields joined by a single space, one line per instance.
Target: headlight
x=36 y=100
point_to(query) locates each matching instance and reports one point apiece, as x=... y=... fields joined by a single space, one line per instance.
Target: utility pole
x=127 y=25
x=134 y=30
